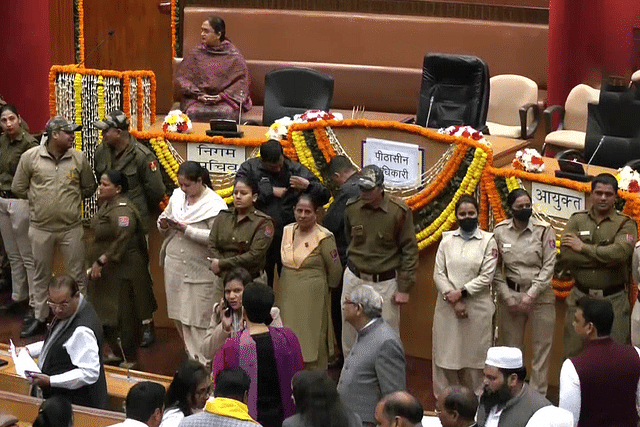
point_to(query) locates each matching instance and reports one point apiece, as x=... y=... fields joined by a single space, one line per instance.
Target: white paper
x=22 y=361
x=430 y=421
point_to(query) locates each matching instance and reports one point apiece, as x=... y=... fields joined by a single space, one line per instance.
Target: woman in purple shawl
x=213 y=78
x=271 y=356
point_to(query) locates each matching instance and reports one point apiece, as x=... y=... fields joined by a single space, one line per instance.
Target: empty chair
x=454 y=91
x=513 y=106
x=290 y=91
x=573 y=119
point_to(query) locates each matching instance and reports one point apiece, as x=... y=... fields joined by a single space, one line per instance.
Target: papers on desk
x=22 y=361
x=430 y=421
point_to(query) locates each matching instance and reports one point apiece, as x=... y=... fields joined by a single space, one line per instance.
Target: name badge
x=506 y=245
x=585 y=233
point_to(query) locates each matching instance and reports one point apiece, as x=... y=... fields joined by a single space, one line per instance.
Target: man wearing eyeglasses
x=69 y=357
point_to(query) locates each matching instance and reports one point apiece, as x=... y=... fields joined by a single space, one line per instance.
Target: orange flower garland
x=139 y=102
x=81 y=32
x=126 y=96
x=179 y=137
x=173 y=30
x=52 y=92
x=323 y=144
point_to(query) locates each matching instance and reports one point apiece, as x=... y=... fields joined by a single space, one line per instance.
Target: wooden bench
x=119 y=381
x=376 y=60
x=25 y=408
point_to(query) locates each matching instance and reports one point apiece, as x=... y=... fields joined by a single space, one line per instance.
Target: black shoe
x=14 y=307
x=36 y=327
x=29 y=317
x=148 y=335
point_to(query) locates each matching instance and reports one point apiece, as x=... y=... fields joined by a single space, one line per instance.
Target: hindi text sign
x=398 y=161
x=216 y=158
x=556 y=201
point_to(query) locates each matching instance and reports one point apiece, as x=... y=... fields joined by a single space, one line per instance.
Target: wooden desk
x=25 y=408
x=118 y=383
x=504 y=149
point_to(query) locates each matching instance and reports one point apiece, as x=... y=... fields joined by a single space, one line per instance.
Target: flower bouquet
x=528 y=160
x=628 y=179
x=465 y=132
x=177 y=121
x=279 y=128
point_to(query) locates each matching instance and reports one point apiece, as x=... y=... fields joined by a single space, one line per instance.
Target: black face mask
x=522 y=214
x=468 y=224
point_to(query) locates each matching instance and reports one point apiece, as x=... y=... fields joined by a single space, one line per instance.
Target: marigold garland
x=173 y=28
x=165 y=158
x=140 y=104
x=81 y=32
x=101 y=112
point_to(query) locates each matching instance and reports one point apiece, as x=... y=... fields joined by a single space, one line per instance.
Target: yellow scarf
x=228 y=408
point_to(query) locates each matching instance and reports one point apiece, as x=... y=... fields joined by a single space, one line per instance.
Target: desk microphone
x=429 y=112
x=109 y=36
x=594 y=154
x=240 y=109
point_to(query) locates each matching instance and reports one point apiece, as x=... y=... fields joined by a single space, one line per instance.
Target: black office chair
x=454 y=91
x=290 y=91
x=613 y=132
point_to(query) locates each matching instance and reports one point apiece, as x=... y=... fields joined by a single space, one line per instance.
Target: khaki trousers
x=14 y=226
x=620 y=331
x=390 y=311
x=512 y=325
x=43 y=244
x=193 y=338
x=468 y=377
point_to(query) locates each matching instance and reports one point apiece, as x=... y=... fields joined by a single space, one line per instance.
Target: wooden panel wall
x=142 y=40
x=62 y=40
x=528 y=11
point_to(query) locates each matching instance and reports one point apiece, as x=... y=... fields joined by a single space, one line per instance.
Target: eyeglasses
x=346 y=301
x=62 y=305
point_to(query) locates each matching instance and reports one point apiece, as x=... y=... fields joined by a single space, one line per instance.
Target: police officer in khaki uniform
x=596 y=249
x=55 y=178
x=120 y=151
x=240 y=236
x=527 y=248
x=382 y=252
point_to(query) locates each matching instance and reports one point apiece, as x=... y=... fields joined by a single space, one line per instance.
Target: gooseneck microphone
x=100 y=43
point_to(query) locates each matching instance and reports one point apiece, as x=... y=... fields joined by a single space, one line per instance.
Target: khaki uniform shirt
x=55 y=188
x=527 y=258
x=241 y=244
x=382 y=239
x=10 y=152
x=141 y=167
x=606 y=255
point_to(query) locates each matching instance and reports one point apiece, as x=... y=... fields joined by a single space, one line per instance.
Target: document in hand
x=22 y=361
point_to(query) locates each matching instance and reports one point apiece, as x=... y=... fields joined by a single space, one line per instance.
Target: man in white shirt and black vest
x=69 y=357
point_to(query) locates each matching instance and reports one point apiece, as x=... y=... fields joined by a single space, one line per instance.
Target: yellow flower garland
x=447 y=218
x=165 y=158
x=100 y=104
x=512 y=183
x=304 y=153
x=77 y=92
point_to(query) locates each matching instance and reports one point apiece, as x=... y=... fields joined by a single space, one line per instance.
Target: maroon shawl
x=220 y=71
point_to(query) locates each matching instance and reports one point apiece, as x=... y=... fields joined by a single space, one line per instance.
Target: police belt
x=371 y=277
x=600 y=292
x=514 y=286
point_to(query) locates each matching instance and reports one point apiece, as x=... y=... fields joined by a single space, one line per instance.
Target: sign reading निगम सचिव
x=556 y=201
x=398 y=161
x=216 y=158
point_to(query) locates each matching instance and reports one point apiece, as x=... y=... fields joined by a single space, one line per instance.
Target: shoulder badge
x=552 y=243
x=268 y=231
x=494 y=252
x=334 y=254
x=153 y=165
x=123 y=221
x=631 y=239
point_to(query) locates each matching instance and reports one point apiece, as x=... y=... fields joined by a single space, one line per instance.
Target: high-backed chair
x=613 y=132
x=573 y=119
x=513 y=106
x=454 y=91
x=290 y=91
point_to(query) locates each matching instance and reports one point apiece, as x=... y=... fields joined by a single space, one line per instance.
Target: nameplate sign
x=556 y=201
x=216 y=158
x=398 y=161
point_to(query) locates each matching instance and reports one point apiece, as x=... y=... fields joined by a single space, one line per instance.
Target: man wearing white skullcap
x=506 y=400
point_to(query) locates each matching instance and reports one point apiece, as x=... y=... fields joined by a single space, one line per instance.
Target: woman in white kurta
x=465 y=263
x=192 y=288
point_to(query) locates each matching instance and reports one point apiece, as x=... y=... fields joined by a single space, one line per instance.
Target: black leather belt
x=7 y=194
x=597 y=292
x=371 y=277
x=513 y=285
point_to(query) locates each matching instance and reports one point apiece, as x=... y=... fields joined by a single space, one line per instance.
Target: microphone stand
x=109 y=36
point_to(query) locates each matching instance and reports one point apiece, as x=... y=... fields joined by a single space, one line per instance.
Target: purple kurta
x=240 y=351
